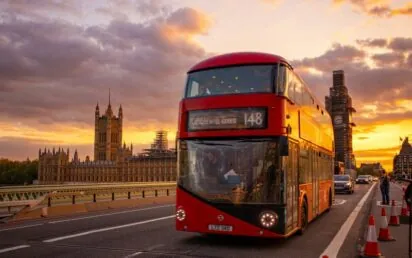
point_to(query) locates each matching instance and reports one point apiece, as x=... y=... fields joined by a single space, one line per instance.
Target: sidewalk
x=400 y=247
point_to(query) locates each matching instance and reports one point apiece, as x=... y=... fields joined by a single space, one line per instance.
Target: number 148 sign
x=254 y=119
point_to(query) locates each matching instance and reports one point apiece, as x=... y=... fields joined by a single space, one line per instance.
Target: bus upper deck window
x=281 y=79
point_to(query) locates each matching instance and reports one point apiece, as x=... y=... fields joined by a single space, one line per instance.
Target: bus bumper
x=193 y=215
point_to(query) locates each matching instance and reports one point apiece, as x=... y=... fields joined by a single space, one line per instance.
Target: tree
x=18 y=172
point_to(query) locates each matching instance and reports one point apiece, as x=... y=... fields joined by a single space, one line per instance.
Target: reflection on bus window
x=232 y=80
x=235 y=171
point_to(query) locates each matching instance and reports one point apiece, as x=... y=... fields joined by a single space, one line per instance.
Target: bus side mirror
x=283 y=146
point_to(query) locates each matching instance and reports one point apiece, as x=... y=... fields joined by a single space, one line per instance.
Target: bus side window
x=281 y=80
x=298 y=91
x=291 y=85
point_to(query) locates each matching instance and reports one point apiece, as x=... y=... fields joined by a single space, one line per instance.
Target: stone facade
x=339 y=106
x=402 y=162
x=112 y=162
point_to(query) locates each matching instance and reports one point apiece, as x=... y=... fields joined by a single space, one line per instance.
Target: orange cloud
x=380 y=8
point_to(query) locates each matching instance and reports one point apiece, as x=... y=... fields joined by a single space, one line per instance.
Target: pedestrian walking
x=384 y=185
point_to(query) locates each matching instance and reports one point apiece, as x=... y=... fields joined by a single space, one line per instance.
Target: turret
x=97 y=111
x=54 y=152
x=76 y=156
x=39 y=152
x=120 y=112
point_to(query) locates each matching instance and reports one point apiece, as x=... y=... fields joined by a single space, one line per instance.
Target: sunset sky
x=59 y=58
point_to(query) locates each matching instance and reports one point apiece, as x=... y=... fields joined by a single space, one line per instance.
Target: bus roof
x=238 y=58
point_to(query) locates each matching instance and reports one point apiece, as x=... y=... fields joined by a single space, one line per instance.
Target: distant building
x=339 y=106
x=375 y=168
x=112 y=161
x=402 y=162
x=108 y=134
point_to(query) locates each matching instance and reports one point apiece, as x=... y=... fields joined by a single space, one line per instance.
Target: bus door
x=290 y=168
x=315 y=183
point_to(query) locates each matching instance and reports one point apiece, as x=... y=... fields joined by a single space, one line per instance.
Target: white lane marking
x=334 y=246
x=110 y=214
x=338 y=202
x=28 y=226
x=106 y=229
x=133 y=254
x=5 y=250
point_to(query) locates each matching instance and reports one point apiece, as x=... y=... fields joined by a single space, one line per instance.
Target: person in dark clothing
x=212 y=165
x=384 y=186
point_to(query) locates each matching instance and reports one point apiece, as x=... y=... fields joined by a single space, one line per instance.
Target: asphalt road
x=150 y=232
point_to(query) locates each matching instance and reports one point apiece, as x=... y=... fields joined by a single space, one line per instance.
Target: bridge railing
x=66 y=198
x=11 y=205
x=34 y=192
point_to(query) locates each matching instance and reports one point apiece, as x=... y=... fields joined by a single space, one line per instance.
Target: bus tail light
x=268 y=219
x=180 y=215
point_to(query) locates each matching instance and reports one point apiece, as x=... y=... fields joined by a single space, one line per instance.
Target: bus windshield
x=232 y=171
x=232 y=80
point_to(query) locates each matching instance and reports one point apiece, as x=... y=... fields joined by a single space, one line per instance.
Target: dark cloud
x=388 y=59
x=373 y=42
x=39 y=9
x=401 y=44
x=121 y=9
x=378 y=8
x=55 y=71
x=363 y=138
x=152 y=8
x=389 y=80
x=338 y=56
x=381 y=11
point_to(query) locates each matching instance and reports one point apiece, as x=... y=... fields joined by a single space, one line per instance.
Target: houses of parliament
x=113 y=162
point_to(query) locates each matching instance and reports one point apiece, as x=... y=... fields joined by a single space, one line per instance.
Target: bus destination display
x=220 y=119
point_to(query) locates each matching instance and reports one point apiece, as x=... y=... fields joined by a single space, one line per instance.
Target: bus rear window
x=231 y=80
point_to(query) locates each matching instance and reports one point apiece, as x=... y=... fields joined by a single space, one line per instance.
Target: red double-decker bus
x=255 y=149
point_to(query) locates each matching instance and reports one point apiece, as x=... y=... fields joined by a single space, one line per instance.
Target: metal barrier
x=20 y=193
x=95 y=196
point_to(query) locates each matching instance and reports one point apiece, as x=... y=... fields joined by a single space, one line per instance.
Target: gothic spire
x=109 y=111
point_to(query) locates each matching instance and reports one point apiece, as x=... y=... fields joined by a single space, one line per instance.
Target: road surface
x=150 y=232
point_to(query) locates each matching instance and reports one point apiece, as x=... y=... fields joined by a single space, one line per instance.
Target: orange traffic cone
x=394 y=220
x=384 y=234
x=404 y=211
x=371 y=247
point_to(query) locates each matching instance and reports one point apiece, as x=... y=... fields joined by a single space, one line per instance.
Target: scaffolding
x=160 y=142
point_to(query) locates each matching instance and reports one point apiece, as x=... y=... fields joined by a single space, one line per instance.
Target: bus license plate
x=221 y=228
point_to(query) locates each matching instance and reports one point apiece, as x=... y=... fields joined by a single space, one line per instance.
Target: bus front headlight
x=268 y=219
x=180 y=215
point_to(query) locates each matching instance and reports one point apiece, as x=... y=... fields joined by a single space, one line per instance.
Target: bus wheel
x=329 y=201
x=304 y=218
